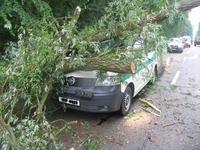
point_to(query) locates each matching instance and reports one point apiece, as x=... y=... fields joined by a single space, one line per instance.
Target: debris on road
x=146 y=102
x=178 y=131
x=152 y=138
x=190 y=137
x=171 y=124
x=149 y=111
x=155 y=123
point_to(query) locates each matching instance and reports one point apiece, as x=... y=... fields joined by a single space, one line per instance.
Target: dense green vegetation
x=35 y=37
x=178 y=26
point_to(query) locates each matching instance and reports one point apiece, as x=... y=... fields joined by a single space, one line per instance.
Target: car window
x=175 y=40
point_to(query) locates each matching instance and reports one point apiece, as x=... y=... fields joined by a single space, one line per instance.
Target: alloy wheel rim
x=127 y=102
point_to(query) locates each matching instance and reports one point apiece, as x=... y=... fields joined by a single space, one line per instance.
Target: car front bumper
x=97 y=99
x=175 y=49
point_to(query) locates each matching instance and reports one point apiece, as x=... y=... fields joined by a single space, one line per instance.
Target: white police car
x=96 y=91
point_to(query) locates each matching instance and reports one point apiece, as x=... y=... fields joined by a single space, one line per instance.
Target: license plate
x=69 y=101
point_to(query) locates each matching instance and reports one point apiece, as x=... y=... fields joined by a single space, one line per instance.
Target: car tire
x=126 y=101
x=154 y=76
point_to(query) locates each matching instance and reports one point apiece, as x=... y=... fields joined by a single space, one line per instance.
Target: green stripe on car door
x=139 y=67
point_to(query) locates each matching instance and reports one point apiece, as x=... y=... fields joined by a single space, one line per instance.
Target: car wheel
x=154 y=76
x=126 y=102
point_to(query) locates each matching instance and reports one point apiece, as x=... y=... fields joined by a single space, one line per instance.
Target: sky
x=194 y=17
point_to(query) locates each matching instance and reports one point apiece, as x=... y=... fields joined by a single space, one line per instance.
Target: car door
x=144 y=71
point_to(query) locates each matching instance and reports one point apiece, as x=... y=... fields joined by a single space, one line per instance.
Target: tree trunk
x=104 y=63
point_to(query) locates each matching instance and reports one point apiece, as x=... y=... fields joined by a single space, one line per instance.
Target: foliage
x=35 y=63
x=30 y=135
x=92 y=143
x=15 y=13
x=177 y=26
x=92 y=10
x=44 y=33
x=28 y=65
x=116 y=29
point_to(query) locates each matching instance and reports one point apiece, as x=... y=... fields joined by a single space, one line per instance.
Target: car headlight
x=170 y=46
x=108 y=79
x=70 y=81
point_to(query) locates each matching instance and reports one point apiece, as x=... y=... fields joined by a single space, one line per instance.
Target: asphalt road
x=176 y=94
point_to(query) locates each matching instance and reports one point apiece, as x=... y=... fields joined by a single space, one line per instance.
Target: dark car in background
x=197 y=41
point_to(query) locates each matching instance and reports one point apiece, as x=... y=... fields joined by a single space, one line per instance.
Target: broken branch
x=151 y=105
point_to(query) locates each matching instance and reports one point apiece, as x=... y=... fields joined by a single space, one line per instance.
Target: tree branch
x=110 y=63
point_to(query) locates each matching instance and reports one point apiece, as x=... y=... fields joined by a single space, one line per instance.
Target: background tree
x=178 y=26
x=14 y=14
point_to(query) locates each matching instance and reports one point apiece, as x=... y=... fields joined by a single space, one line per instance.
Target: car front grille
x=81 y=82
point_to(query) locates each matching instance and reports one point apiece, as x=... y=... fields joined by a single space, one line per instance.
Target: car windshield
x=174 y=40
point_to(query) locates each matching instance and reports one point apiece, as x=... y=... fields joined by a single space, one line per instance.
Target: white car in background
x=175 y=45
x=187 y=41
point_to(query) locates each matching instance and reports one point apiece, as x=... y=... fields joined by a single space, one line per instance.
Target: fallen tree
x=155 y=17
x=110 y=61
x=37 y=60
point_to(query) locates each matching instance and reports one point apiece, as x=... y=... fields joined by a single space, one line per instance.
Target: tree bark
x=104 y=63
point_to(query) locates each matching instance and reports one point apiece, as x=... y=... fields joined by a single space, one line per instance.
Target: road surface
x=176 y=94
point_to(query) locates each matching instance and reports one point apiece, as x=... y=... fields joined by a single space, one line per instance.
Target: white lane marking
x=175 y=78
